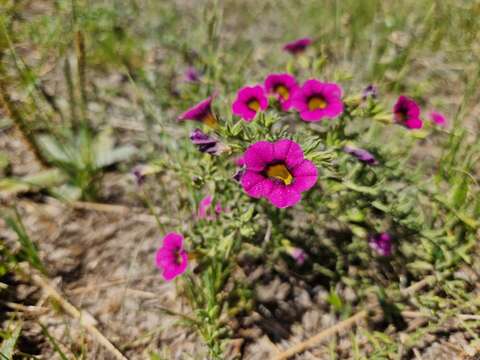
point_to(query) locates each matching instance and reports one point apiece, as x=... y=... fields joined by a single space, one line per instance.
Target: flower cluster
x=278 y=170
x=314 y=100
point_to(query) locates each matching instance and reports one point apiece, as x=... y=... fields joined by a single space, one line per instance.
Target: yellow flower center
x=282 y=91
x=253 y=105
x=316 y=102
x=210 y=120
x=280 y=172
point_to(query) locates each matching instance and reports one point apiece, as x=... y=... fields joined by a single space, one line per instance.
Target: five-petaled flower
x=438 y=118
x=278 y=172
x=316 y=100
x=381 y=243
x=297 y=46
x=250 y=100
x=406 y=112
x=171 y=258
x=282 y=86
x=201 y=112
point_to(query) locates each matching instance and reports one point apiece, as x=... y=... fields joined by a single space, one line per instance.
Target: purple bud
x=206 y=143
x=362 y=155
x=192 y=74
x=370 y=91
x=381 y=243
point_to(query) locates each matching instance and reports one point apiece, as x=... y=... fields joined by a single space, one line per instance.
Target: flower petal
x=305 y=175
x=258 y=155
x=256 y=185
x=284 y=196
x=288 y=151
x=173 y=241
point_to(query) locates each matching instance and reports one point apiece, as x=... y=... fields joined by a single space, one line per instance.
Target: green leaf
x=40 y=180
x=53 y=149
x=113 y=156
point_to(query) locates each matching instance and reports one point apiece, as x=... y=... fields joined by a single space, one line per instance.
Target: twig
x=85 y=320
x=119 y=209
x=347 y=323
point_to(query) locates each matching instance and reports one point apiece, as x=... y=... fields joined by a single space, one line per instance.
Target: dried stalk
x=347 y=323
x=85 y=320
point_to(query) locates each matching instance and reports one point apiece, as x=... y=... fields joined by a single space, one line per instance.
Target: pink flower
x=282 y=86
x=382 y=244
x=406 y=112
x=438 y=118
x=316 y=100
x=297 y=46
x=201 y=112
x=204 y=205
x=249 y=101
x=171 y=258
x=278 y=172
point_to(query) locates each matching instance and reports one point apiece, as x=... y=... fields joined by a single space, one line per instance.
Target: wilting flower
x=192 y=74
x=171 y=258
x=406 y=112
x=297 y=46
x=438 y=118
x=282 y=86
x=361 y=154
x=201 y=112
x=370 y=91
x=316 y=100
x=278 y=172
x=206 y=143
x=381 y=243
x=249 y=101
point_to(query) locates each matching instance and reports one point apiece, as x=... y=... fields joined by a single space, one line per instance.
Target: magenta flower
x=438 y=118
x=282 y=86
x=316 y=100
x=382 y=244
x=406 y=112
x=297 y=46
x=362 y=155
x=249 y=101
x=171 y=258
x=201 y=112
x=278 y=172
